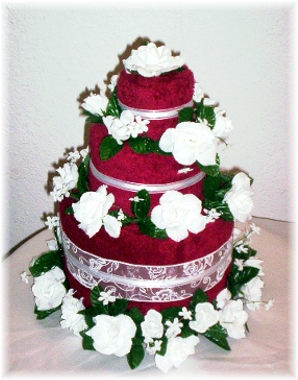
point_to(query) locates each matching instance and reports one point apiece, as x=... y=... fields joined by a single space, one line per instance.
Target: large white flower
x=112 y=335
x=252 y=292
x=223 y=298
x=178 y=349
x=178 y=213
x=91 y=211
x=96 y=104
x=233 y=319
x=125 y=127
x=152 y=327
x=190 y=142
x=48 y=289
x=149 y=60
x=67 y=181
x=70 y=317
x=205 y=317
x=239 y=198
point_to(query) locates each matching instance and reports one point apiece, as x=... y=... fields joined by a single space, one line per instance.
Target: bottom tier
x=147 y=278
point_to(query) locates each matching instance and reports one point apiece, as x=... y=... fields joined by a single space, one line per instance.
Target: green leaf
x=210 y=185
x=109 y=148
x=198 y=297
x=212 y=170
x=94 y=296
x=46 y=262
x=207 y=113
x=236 y=279
x=69 y=211
x=218 y=335
x=142 y=145
x=94 y=119
x=42 y=314
x=118 y=307
x=136 y=315
x=113 y=108
x=82 y=184
x=185 y=114
x=136 y=355
x=170 y=313
x=87 y=342
x=141 y=207
x=147 y=227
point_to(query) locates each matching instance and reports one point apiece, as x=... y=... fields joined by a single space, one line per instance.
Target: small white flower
x=269 y=304
x=52 y=245
x=239 y=264
x=121 y=215
x=190 y=142
x=185 y=314
x=69 y=313
x=252 y=292
x=73 y=156
x=198 y=93
x=138 y=127
x=241 y=249
x=179 y=214
x=149 y=60
x=112 y=335
x=205 y=317
x=173 y=328
x=255 y=229
x=96 y=104
x=92 y=213
x=113 y=82
x=223 y=298
x=52 y=221
x=152 y=326
x=239 y=198
x=84 y=152
x=212 y=214
x=67 y=181
x=48 y=289
x=178 y=349
x=233 y=319
x=185 y=170
x=152 y=348
x=106 y=297
x=25 y=277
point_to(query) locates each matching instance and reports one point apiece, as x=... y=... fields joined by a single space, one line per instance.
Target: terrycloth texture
x=162 y=92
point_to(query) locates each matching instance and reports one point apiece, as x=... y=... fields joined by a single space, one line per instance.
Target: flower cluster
x=121 y=129
x=150 y=60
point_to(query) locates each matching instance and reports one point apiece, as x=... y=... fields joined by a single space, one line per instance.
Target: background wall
x=242 y=56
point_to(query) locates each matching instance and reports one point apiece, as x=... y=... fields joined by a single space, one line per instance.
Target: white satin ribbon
x=155 y=114
x=151 y=188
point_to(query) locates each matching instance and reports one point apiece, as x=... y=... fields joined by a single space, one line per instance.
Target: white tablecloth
x=35 y=347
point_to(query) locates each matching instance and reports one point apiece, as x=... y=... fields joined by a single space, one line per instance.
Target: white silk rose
x=223 y=125
x=239 y=198
x=121 y=129
x=96 y=104
x=179 y=214
x=149 y=60
x=112 y=335
x=190 y=142
x=178 y=349
x=252 y=292
x=152 y=326
x=48 y=289
x=233 y=319
x=67 y=181
x=92 y=213
x=69 y=314
x=205 y=317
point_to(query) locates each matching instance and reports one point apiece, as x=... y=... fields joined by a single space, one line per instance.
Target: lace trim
x=146 y=282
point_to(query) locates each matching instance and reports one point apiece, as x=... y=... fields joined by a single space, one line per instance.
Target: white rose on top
x=125 y=127
x=48 y=289
x=223 y=125
x=233 y=319
x=190 y=142
x=239 y=198
x=178 y=349
x=205 y=317
x=112 y=335
x=149 y=60
x=152 y=326
x=91 y=211
x=96 y=104
x=179 y=213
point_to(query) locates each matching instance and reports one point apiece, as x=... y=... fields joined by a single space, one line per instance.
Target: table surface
x=42 y=347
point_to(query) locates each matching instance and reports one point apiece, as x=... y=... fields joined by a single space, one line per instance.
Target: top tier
x=169 y=90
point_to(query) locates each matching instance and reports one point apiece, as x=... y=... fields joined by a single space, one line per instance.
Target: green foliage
x=218 y=335
x=237 y=278
x=94 y=119
x=113 y=108
x=109 y=148
x=141 y=206
x=42 y=314
x=185 y=114
x=46 y=262
x=147 y=227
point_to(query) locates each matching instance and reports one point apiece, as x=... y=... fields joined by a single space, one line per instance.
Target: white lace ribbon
x=146 y=282
x=162 y=114
x=151 y=188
